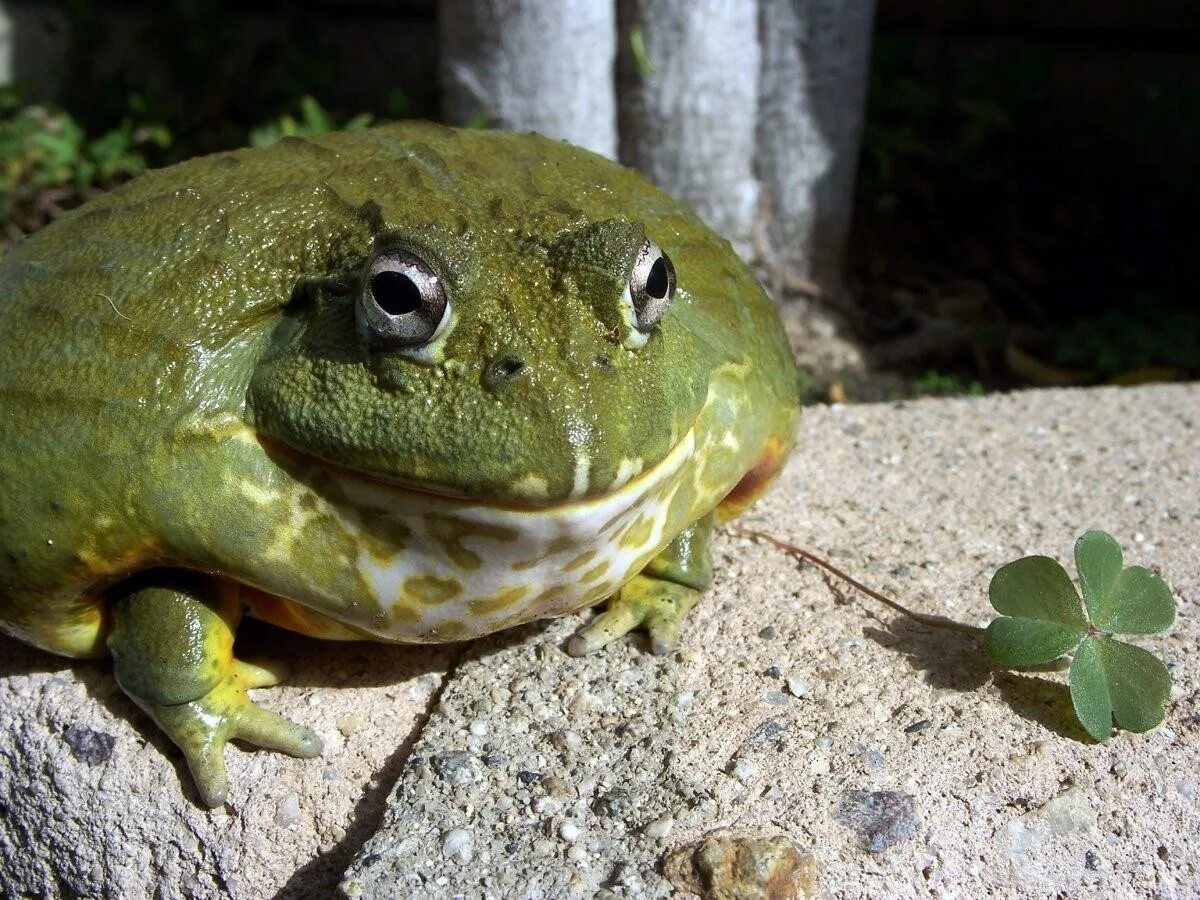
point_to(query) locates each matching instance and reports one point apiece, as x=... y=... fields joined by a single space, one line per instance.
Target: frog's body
x=201 y=413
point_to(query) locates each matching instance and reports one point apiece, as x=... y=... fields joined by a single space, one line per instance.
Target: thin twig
x=800 y=553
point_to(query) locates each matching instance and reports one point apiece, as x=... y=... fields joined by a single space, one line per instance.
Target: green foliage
x=312 y=119
x=1043 y=618
x=48 y=163
x=940 y=384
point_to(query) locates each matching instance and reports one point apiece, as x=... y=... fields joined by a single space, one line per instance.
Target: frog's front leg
x=171 y=637
x=658 y=597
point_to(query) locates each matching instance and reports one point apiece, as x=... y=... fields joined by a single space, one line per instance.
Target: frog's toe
x=614 y=622
x=259 y=674
x=206 y=761
x=657 y=605
x=202 y=727
x=271 y=731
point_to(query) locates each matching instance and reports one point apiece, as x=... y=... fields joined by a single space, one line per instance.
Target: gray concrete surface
x=96 y=802
x=887 y=752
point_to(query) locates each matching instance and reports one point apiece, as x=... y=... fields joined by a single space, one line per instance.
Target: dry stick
x=799 y=553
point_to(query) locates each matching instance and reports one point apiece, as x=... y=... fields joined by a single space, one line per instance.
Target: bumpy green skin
x=182 y=386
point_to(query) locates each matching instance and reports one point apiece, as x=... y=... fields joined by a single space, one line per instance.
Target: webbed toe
x=654 y=604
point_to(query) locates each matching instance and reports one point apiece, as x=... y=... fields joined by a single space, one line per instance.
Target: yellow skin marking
x=431 y=590
x=596 y=571
x=506 y=598
x=637 y=534
x=581 y=560
x=403 y=614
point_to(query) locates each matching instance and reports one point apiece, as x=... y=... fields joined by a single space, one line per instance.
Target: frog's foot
x=657 y=605
x=202 y=727
x=171 y=637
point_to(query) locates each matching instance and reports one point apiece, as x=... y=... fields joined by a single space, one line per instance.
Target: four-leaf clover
x=1042 y=618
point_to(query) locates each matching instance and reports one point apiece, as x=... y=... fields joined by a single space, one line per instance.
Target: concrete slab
x=889 y=754
x=889 y=750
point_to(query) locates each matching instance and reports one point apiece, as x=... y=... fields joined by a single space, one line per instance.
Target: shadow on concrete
x=1043 y=701
x=950 y=659
x=957 y=661
x=319 y=877
x=18 y=658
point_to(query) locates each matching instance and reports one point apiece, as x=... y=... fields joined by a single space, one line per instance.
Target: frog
x=406 y=384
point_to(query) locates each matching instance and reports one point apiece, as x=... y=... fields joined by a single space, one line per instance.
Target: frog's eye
x=403 y=303
x=651 y=286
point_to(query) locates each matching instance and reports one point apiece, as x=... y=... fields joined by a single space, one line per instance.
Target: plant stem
x=802 y=554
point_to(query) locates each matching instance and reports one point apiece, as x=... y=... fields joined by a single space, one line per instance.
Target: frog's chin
x=432 y=566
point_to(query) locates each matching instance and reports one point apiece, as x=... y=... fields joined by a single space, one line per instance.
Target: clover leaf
x=1042 y=617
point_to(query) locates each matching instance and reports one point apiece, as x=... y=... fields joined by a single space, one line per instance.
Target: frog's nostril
x=503 y=369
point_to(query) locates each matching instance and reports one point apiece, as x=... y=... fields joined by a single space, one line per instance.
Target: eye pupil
x=651 y=286
x=395 y=293
x=657 y=283
x=403 y=302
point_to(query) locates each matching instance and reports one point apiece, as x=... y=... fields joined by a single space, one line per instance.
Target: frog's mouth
x=633 y=480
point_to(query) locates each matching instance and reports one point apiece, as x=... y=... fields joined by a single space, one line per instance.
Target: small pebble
x=743 y=770
x=918 y=726
x=527 y=777
x=567 y=739
x=455 y=767
x=569 y=832
x=871 y=759
x=287 y=810
x=349 y=724
x=89 y=746
x=478 y=728
x=659 y=828
x=1091 y=860
x=772 y=672
x=879 y=818
x=797 y=686
x=767 y=633
x=457 y=844
x=577 y=853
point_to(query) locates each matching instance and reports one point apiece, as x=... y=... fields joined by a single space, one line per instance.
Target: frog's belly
x=451 y=569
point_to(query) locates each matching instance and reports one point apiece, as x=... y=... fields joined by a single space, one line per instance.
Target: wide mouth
x=644 y=480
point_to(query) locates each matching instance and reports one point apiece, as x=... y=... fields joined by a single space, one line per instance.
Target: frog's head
x=524 y=363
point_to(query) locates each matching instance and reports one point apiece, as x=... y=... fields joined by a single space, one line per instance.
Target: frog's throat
x=451 y=569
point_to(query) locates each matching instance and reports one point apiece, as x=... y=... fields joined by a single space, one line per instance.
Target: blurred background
x=945 y=196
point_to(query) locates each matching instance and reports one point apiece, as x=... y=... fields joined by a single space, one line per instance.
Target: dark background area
x=1029 y=177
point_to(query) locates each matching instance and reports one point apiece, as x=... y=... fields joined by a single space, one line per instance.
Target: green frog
x=407 y=384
